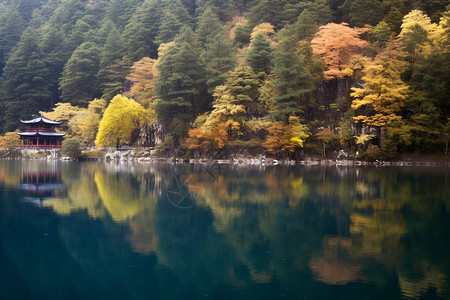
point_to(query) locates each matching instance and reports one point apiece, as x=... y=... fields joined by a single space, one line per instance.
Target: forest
x=214 y=78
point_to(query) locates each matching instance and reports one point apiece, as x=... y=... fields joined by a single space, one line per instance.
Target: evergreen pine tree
x=178 y=84
x=79 y=83
x=219 y=58
x=24 y=81
x=258 y=56
x=292 y=81
x=11 y=28
x=362 y=12
x=208 y=26
x=170 y=26
x=139 y=35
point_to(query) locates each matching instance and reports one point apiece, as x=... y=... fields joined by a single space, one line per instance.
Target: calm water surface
x=159 y=231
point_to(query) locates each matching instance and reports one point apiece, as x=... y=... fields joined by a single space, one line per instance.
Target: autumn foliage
x=284 y=139
x=336 y=43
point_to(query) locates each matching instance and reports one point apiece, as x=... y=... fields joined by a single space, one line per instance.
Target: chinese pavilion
x=41 y=134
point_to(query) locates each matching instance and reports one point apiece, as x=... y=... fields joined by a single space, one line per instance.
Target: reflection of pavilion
x=40 y=180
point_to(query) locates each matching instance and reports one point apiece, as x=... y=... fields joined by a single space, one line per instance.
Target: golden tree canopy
x=121 y=118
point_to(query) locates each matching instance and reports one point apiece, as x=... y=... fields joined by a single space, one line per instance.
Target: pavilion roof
x=41 y=119
x=40 y=133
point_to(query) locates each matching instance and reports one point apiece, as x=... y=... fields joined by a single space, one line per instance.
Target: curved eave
x=42 y=119
x=37 y=133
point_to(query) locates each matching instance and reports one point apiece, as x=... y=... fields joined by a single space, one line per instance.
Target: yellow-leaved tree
x=380 y=101
x=121 y=122
x=85 y=123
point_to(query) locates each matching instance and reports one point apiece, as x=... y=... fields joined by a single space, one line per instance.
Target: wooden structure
x=41 y=134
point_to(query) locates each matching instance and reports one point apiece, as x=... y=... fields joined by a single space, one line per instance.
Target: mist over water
x=160 y=231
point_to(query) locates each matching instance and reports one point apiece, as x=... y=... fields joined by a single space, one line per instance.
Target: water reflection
x=236 y=233
x=40 y=181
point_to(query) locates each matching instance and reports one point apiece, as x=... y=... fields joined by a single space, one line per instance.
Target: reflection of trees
x=259 y=232
x=401 y=219
x=250 y=227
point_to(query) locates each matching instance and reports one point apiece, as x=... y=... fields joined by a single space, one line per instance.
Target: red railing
x=41 y=146
x=44 y=129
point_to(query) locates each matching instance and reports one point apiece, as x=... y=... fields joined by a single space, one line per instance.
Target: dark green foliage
x=361 y=12
x=219 y=57
x=120 y=11
x=303 y=28
x=179 y=83
x=264 y=12
x=139 y=35
x=12 y=26
x=258 y=56
x=81 y=71
x=224 y=9
x=170 y=26
x=24 y=81
x=320 y=10
x=75 y=50
x=208 y=26
x=71 y=148
x=242 y=35
x=291 y=83
x=113 y=78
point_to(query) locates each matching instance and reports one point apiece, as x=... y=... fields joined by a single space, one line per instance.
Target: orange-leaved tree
x=336 y=43
x=212 y=137
x=143 y=74
x=285 y=139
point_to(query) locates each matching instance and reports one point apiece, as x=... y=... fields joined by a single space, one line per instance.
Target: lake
x=84 y=230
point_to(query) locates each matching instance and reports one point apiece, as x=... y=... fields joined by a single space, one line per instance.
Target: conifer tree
x=24 y=81
x=12 y=26
x=292 y=81
x=303 y=28
x=208 y=26
x=179 y=82
x=170 y=26
x=79 y=83
x=54 y=57
x=112 y=51
x=139 y=34
x=362 y=12
x=258 y=56
x=219 y=57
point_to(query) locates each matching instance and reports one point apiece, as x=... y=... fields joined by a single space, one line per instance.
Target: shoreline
x=130 y=155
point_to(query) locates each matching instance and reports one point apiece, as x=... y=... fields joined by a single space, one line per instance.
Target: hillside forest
x=214 y=78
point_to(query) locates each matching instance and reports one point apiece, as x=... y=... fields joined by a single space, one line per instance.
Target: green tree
x=170 y=26
x=12 y=26
x=120 y=123
x=140 y=33
x=264 y=12
x=71 y=148
x=208 y=26
x=259 y=54
x=79 y=83
x=292 y=82
x=362 y=12
x=219 y=57
x=24 y=82
x=304 y=27
x=179 y=83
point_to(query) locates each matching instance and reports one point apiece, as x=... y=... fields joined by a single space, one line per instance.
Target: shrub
x=71 y=148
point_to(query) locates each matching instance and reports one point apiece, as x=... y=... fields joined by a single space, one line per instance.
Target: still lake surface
x=160 y=231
